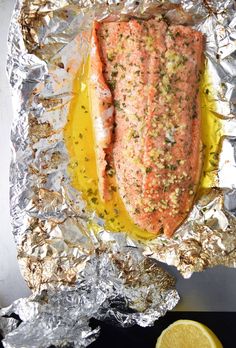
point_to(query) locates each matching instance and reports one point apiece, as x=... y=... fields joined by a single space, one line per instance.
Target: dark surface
x=222 y=323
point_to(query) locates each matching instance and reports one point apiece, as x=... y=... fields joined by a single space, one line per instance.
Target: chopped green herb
x=94 y=200
x=89 y=191
x=168 y=141
x=170 y=166
x=213 y=163
x=110 y=56
x=117 y=105
x=114 y=73
x=113 y=188
x=148 y=169
x=111 y=84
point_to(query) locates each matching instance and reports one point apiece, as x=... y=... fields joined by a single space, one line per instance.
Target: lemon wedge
x=188 y=334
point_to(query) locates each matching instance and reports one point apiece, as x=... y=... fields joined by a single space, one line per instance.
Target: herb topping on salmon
x=149 y=72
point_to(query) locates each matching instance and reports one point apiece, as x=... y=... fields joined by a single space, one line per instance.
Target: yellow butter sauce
x=80 y=143
x=211 y=134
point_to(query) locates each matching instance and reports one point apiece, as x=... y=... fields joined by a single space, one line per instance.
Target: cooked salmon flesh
x=144 y=83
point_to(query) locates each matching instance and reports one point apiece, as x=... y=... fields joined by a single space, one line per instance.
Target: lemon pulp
x=188 y=334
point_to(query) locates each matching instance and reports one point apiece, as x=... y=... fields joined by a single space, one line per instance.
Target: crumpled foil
x=76 y=273
x=60 y=315
x=110 y=280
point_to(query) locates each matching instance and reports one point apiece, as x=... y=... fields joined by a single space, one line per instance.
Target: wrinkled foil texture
x=75 y=273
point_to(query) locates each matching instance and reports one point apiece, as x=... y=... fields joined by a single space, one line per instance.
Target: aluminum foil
x=110 y=280
x=127 y=289
x=75 y=271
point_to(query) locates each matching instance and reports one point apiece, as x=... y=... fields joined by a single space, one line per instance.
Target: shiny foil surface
x=77 y=271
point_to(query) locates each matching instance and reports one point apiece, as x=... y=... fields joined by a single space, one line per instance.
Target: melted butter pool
x=211 y=135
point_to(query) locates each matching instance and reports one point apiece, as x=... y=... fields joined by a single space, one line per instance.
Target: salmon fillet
x=152 y=71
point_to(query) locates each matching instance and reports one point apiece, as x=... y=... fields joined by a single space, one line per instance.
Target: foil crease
x=76 y=273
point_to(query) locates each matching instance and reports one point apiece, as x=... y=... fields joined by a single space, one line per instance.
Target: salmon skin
x=152 y=72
